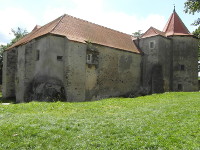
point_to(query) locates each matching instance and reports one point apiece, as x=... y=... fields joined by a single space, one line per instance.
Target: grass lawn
x=160 y=121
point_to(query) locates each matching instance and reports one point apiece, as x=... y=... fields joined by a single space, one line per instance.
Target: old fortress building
x=75 y=60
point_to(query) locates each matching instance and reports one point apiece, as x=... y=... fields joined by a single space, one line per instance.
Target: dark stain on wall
x=44 y=88
x=125 y=62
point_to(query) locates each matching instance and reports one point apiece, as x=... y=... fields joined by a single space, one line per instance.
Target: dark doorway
x=157 y=79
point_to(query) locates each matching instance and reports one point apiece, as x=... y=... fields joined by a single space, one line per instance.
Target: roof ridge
x=27 y=35
x=154 y=29
x=61 y=17
x=158 y=31
x=167 y=24
x=97 y=24
x=32 y=33
x=145 y=33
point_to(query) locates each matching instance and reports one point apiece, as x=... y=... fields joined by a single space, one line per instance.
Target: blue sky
x=123 y=15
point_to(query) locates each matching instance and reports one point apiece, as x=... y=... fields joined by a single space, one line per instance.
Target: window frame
x=151 y=44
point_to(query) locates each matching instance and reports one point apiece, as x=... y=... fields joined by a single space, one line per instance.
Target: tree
x=197 y=34
x=19 y=33
x=191 y=7
x=137 y=34
x=2 y=48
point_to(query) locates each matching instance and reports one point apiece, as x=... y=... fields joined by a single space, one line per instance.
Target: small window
x=180 y=87
x=182 y=67
x=152 y=45
x=37 y=55
x=89 y=58
x=59 y=58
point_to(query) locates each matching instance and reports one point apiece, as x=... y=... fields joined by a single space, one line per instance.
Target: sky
x=127 y=16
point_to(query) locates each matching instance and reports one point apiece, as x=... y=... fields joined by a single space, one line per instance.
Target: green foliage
x=197 y=34
x=137 y=34
x=191 y=7
x=160 y=121
x=2 y=48
x=19 y=33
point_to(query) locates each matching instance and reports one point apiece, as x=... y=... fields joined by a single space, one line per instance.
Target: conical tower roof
x=175 y=26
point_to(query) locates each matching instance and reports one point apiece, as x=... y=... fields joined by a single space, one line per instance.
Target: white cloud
x=13 y=18
x=90 y=10
x=52 y=13
x=94 y=11
x=2 y=43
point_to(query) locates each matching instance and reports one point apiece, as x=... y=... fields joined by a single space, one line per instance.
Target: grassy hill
x=161 y=121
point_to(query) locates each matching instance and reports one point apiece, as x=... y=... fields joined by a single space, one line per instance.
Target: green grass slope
x=161 y=121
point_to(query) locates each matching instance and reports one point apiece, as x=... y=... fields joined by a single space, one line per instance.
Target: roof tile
x=175 y=26
x=81 y=31
x=152 y=32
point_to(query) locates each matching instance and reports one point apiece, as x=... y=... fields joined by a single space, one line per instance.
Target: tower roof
x=152 y=32
x=175 y=26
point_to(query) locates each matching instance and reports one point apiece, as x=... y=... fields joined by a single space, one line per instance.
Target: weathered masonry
x=75 y=60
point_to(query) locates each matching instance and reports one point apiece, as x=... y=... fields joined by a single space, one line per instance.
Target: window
x=89 y=58
x=59 y=58
x=182 y=67
x=180 y=87
x=151 y=44
x=37 y=55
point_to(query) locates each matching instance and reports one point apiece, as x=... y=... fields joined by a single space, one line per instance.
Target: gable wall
x=39 y=79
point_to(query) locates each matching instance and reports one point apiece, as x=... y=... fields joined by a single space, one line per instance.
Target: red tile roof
x=152 y=32
x=175 y=26
x=36 y=27
x=81 y=31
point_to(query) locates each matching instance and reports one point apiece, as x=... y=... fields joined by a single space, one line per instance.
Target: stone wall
x=157 y=55
x=115 y=73
x=185 y=63
x=9 y=69
x=74 y=69
x=51 y=67
x=177 y=57
x=40 y=70
x=20 y=74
